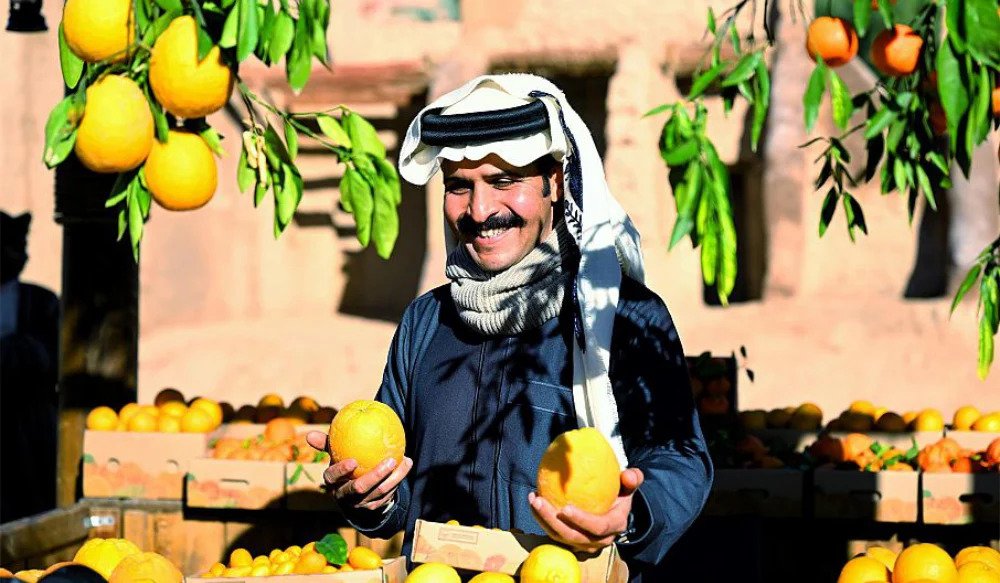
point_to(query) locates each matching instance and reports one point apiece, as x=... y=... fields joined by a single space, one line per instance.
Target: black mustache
x=469 y=227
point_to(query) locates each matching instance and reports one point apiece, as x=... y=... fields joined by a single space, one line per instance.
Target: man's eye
x=503 y=182
x=457 y=189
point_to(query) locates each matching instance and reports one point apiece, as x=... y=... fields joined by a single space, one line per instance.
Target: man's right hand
x=371 y=491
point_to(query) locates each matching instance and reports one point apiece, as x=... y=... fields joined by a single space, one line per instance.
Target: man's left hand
x=585 y=531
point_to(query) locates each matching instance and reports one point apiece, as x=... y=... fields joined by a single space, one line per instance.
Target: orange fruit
x=96 y=30
x=29 y=575
x=996 y=101
x=166 y=396
x=196 y=420
x=807 y=417
x=896 y=52
x=910 y=417
x=832 y=39
x=986 y=555
x=142 y=421
x=977 y=572
x=173 y=409
x=580 y=468
x=964 y=417
x=181 y=173
x=754 y=420
x=240 y=557
x=362 y=558
x=168 y=424
x=102 y=419
x=883 y=555
x=713 y=405
x=367 y=432
x=271 y=400
x=890 y=423
x=116 y=131
x=547 y=563
x=862 y=406
x=309 y=563
x=433 y=573
x=279 y=430
x=128 y=411
x=929 y=420
x=752 y=447
x=856 y=445
x=307 y=404
x=864 y=569
x=856 y=421
x=237 y=571
x=146 y=568
x=491 y=577
x=329 y=569
x=186 y=86
x=992 y=456
x=5 y=573
x=827 y=449
x=778 y=418
x=950 y=447
x=210 y=407
x=104 y=555
x=924 y=561
x=989 y=422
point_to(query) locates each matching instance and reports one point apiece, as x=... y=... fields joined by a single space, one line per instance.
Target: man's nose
x=482 y=203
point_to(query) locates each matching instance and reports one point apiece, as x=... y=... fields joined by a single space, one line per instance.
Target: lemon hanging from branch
x=96 y=30
x=116 y=131
x=185 y=86
x=181 y=172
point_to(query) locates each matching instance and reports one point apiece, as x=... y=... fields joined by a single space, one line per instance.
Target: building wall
x=227 y=311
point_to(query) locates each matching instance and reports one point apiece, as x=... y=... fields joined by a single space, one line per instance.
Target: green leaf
x=204 y=43
x=925 y=185
x=245 y=175
x=874 y=148
x=985 y=349
x=878 y=122
x=298 y=64
x=334 y=548
x=292 y=139
x=274 y=148
x=709 y=252
x=761 y=103
x=362 y=205
x=385 y=227
x=744 y=69
x=122 y=224
x=814 y=94
x=174 y=6
x=332 y=130
x=266 y=18
x=857 y=214
x=387 y=174
x=702 y=82
x=288 y=197
x=259 y=192
x=862 y=14
x=711 y=21
x=952 y=90
x=682 y=154
x=71 y=65
x=363 y=135
x=142 y=194
x=840 y=99
x=248 y=30
x=159 y=119
x=351 y=181
x=658 y=110
x=281 y=36
x=979 y=115
x=829 y=208
x=954 y=9
x=982 y=29
x=119 y=190
x=159 y=25
x=970 y=279
x=885 y=11
x=849 y=215
x=213 y=140
x=135 y=223
x=230 y=30
x=60 y=131
x=318 y=42
x=682 y=228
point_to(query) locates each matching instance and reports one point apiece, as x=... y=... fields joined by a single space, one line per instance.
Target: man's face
x=498 y=211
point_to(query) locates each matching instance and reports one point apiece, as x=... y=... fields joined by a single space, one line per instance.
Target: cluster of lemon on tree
x=144 y=74
x=937 y=98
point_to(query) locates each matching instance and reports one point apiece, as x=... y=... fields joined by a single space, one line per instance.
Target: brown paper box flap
x=246 y=484
x=883 y=496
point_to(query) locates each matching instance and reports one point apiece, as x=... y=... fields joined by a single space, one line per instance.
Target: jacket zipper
x=475 y=415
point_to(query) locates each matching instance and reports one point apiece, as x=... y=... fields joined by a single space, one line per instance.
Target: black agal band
x=488 y=126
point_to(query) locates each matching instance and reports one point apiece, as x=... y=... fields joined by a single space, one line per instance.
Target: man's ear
x=555 y=178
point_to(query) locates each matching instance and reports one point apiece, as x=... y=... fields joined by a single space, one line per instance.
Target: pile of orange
x=279 y=442
x=805 y=417
x=946 y=455
x=923 y=563
x=294 y=560
x=168 y=416
x=302 y=409
x=895 y=52
x=858 y=451
x=710 y=386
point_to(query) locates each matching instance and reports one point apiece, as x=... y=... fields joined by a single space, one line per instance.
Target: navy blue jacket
x=480 y=411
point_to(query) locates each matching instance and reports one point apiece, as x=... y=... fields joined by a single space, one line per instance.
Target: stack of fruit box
x=881 y=496
x=391 y=571
x=152 y=466
x=474 y=548
x=256 y=484
x=952 y=498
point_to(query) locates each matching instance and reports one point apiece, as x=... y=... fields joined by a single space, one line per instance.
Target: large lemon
x=185 y=87
x=181 y=173
x=116 y=131
x=104 y=555
x=580 y=468
x=96 y=30
x=550 y=563
x=367 y=432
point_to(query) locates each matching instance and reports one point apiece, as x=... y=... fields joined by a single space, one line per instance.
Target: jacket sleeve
x=662 y=435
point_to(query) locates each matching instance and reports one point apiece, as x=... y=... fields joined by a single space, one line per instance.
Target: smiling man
x=545 y=326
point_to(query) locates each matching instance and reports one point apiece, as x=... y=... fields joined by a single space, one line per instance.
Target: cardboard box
x=960 y=498
x=128 y=464
x=303 y=487
x=392 y=571
x=881 y=496
x=479 y=549
x=974 y=440
x=757 y=492
x=250 y=485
